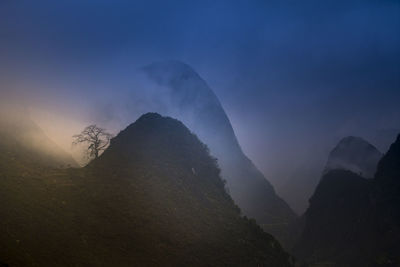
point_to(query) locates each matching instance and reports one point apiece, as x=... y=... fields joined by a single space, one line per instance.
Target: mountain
x=354 y=221
x=153 y=198
x=386 y=200
x=354 y=154
x=22 y=141
x=388 y=173
x=333 y=232
x=350 y=153
x=194 y=103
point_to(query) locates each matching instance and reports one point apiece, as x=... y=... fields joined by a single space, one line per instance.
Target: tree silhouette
x=95 y=137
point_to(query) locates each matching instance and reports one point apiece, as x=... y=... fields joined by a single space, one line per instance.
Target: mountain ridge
x=198 y=107
x=354 y=221
x=153 y=198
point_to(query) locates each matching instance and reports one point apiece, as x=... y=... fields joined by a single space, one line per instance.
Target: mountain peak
x=155 y=195
x=355 y=154
x=175 y=184
x=193 y=102
x=349 y=215
x=153 y=137
x=172 y=73
x=353 y=139
x=350 y=142
x=152 y=121
x=150 y=116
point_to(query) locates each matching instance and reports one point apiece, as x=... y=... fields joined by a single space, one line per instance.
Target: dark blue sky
x=293 y=76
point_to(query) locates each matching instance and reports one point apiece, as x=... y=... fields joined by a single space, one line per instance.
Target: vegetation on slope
x=153 y=198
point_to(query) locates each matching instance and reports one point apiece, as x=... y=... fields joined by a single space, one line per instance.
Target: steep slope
x=198 y=107
x=354 y=154
x=153 y=198
x=386 y=202
x=350 y=153
x=21 y=140
x=353 y=221
x=333 y=231
x=388 y=173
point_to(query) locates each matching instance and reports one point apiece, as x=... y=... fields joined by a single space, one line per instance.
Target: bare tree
x=95 y=137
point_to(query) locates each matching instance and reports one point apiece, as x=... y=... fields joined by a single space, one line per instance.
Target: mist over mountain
x=354 y=154
x=354 y=221
x=277 y=86
x=154 y=197
x=21 y=140
x=349 y=153
x=270 y=138
x=191 y=100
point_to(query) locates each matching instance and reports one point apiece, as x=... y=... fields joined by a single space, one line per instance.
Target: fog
x=293 y=78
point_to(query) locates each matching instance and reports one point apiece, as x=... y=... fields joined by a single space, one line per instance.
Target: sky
x=293 y=76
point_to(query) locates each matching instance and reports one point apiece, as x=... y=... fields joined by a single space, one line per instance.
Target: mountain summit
x=354 y=221
x=356 y=155
x=195 y=104
x=153 y=198
x=163 y=175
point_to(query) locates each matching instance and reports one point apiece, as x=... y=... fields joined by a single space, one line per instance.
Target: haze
x=294 y=77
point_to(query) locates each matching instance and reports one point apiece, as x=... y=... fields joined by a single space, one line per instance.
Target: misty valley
x=180 y=191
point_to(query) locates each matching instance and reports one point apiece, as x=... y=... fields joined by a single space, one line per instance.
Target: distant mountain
x=354 y=154
x=22 y=141
x=353 y=221
x=350 y=153
x=194 y=103
x=153 y=198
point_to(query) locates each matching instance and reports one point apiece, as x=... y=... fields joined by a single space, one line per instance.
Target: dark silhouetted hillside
x=333 y=229
x=153 y=198
x=386 y=202
x=353 y=221
x=193 y=101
